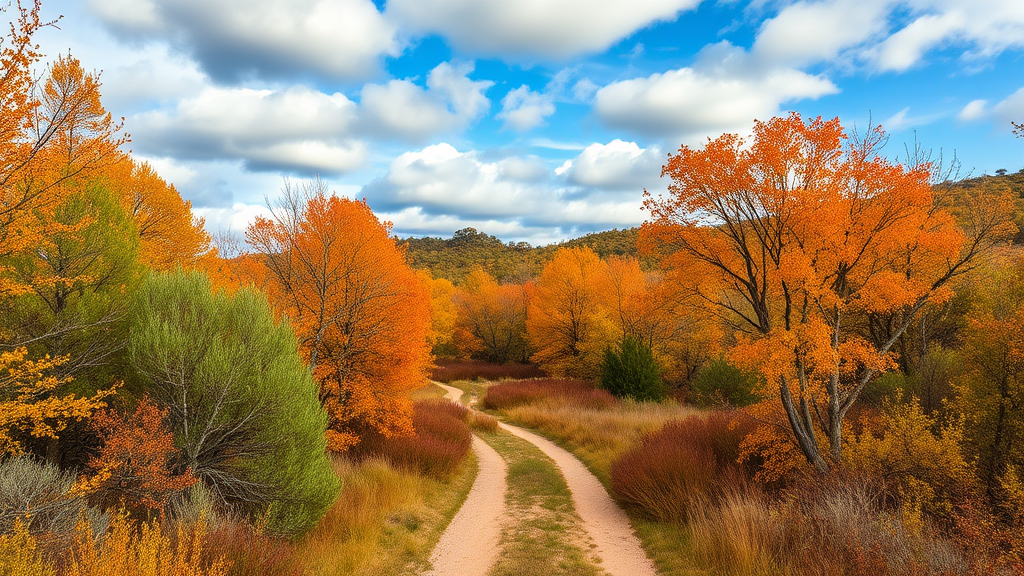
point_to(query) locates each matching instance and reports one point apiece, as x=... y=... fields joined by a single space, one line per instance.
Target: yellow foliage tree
x=569 y=318
x=30 y=404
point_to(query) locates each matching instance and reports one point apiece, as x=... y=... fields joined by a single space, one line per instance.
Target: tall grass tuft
x=520 y=392
x=452 y=370
x=441 y=440
x=686 y=462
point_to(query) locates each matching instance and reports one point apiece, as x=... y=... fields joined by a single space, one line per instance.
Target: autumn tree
x=32 y=404
x=169 y=235
x=54 y=136
x=568 y=318
x=442 y=313
x=361 y=313
x=990 y=396
x=491 y=318
x=791 y=235
x=651 y=308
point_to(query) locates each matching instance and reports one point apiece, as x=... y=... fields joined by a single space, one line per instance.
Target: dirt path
x=470 y=544
x=616 y=544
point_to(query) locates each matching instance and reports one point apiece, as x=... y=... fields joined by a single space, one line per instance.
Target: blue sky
x=532 y=120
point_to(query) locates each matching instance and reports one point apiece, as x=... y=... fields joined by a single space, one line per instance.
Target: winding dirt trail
x=470 y=544
x=616 y=544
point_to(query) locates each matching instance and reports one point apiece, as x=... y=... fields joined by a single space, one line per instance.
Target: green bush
x=632 y=372
x=720 y=382
x=243 y=407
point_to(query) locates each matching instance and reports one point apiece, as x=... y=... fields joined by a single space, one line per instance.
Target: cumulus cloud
x=724 y=91
x=803 y=33
x=974 y=110
x=305 y=131
x=907 y=46
x=298 y=129
x=405 y=110
x=523 y=109
x=552 y=29
x=439 y=181
x=236 y=39
x=616 y=165
x=889 y=36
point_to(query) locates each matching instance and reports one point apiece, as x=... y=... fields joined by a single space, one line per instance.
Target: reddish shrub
x=134 y=466
x=685 y=462
x=452 y=370
x=440 y=441
x=251 y=552
x=519 y=392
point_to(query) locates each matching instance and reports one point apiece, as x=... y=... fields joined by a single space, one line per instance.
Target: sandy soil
x=616 y=544
x=470 y=544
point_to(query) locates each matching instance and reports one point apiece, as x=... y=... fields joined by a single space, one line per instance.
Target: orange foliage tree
x=54 y=135
x=361 y=313
x=794 y=234
x=569 y=319
x=491 y=318
x=134 y=466
x=653 y=310
x=169 y=235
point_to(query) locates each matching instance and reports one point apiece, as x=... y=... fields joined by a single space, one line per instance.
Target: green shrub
x=632 y=372
x=719 y=382
x=243 y=407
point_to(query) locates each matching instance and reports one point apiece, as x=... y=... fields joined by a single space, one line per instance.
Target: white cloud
x=298 y=129
x=403 y=109
x=553 y=29
x=722 y=92
x=908 y=46
x=804 y=32
x=523 y=109
x=232 y=39
x=974 y=110
x=1011 y=109
x=441 y=182
x=617 y=165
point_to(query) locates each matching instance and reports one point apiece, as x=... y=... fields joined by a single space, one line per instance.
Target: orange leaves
x=133 y=468
x=491 y=318
x=361 y=313
x=798 y=234
x=168 y=233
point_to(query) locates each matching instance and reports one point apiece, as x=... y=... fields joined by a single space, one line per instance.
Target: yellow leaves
x=926 y=465
x=143 y=550
x=20 y=555
x=30 y=402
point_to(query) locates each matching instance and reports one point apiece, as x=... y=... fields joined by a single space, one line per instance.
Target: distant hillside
x=1014 y=182
x=453 y=258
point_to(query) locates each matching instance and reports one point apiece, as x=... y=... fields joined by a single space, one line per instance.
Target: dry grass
x=520 y=392
x=597 y=435
x=386 y=520
x=451 y=370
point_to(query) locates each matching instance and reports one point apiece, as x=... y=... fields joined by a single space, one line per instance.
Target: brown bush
x=452 y=370
x=686 y=462
x=520 y=392
x=440 y=441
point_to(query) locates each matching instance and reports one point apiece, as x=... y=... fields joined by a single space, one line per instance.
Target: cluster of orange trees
x=140 y=368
